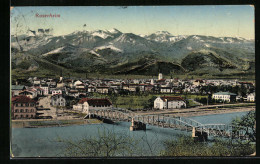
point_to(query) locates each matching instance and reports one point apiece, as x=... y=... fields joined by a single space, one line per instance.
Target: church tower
x=61 y=75
x=160 y=76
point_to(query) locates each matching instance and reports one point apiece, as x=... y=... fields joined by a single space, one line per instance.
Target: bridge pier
x=199 y=135
x=137 y=125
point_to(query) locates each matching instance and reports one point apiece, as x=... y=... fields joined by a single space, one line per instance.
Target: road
x=45 y=102
x=198 y=111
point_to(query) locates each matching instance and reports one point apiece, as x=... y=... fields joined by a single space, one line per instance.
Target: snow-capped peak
x=110 y=47
x=101 y=34
x=114 y=31
x=53 y=51
x=162 y=33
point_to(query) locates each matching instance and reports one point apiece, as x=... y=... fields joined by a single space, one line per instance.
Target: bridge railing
x=174 y=122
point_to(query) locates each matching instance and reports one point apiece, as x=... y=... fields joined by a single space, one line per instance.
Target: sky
x=219 y=21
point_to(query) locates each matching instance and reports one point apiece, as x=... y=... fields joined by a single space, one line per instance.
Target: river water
x=42 y=142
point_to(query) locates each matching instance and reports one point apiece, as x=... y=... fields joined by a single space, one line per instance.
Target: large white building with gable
x=169 y=102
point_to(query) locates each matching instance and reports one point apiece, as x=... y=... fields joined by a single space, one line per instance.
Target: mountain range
x=114 y=52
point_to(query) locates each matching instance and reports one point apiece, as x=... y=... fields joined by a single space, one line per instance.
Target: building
x=91 y=89
x=80 y=86
x=251 y=97
x=160 y=76
x=224 y=96
x=23 y=107
x=169 y=102
x=16 y=89
x=131 y=87
x=198 y=82
x=29 y=93
x=45 y=89
x=56 y=91
x=77 y=83
x=166 y=90
x=102 y=89
x=58 y=100
x=86 y=104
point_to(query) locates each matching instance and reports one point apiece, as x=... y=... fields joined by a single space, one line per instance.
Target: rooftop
x=172 y=98
x=92 y=102
x=225 y=93
x=22 y=99
x=18 y=87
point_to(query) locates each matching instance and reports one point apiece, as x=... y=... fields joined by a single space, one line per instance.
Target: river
x=40 y=142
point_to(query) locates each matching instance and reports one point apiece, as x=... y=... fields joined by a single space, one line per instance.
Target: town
x=71 y=98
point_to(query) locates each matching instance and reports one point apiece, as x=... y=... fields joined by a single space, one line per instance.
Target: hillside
x=113 y=52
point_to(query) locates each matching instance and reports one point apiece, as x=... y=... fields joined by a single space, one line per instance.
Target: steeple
x=61 y=75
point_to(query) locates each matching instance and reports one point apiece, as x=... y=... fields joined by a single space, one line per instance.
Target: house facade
x=56 y=91
x=224 y=96
x=102 y=89
x=45 y=89
x=16 y=89
x=29 y=93
x=169 y=102
x=166 y=90
x=86 y=104
x=251 y=97
x=58 y=100
x=23 y=107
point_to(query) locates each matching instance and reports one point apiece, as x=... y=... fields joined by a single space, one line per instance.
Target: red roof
x=172 y=98
x=92 y=102
x=161 y=80
x=198 y=80
x=22 y=99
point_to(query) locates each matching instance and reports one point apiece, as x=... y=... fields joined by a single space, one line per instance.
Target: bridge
x=199 y=130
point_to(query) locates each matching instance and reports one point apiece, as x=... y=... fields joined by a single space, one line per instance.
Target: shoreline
x=199 y=112
x=38 y=123
x=44 y=123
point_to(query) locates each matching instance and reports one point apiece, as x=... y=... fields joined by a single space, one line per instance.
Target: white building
x=224 y=96
x=251 y=97
x=54 y=92
x=77 y=83
x=169 y=102
x=166 y=90
x=58 y=100
x=86 y=104
x=45 y=89
x=160 y=76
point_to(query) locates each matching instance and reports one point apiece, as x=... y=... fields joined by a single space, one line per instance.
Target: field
x=135 y=101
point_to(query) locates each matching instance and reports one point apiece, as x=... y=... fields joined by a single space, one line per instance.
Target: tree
x=113 y=97
x=186 y=146
x=248 y=122
x=149 y=104
x=107 y=143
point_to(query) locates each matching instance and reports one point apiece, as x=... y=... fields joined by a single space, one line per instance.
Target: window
x=21 y=116
x=31 y=116
x=32 y=110
x=26 y=110
x=27 y=104
x=21 y=110
x=16 y=110
x=27 y=116
x=16 y=104
x=32 y=104
x=21 y=104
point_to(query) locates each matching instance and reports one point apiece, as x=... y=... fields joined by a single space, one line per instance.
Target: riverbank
x=37 y=123
x=190 y=112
